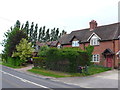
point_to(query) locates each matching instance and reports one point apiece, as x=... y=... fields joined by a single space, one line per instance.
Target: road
x=15 y=79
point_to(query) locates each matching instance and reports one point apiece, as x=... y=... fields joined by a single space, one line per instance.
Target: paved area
x=25 y=68
x=107 y=79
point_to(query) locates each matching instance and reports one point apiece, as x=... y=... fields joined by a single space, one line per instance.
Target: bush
x=42 y=51
x=13 y=61
x=67 y=59
x=39 y=62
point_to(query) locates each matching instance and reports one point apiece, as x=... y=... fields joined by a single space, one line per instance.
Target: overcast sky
x=65 y=14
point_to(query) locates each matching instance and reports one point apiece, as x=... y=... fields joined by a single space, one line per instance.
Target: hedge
x=39 y=61
x=65 y=60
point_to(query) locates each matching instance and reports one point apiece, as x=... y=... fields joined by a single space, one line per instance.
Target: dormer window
x=94 y=39
x=59 y=46
x=75 y=44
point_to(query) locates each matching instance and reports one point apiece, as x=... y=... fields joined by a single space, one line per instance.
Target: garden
x=65 y=62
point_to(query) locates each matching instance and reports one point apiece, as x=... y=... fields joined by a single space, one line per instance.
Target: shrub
x=42 y=51
x=67 y=59
x=13 y=61
x=39 y=61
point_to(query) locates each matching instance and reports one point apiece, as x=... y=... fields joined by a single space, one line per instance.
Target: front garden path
x=25 y=68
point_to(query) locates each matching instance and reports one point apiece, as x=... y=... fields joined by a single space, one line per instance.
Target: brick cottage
x=105 y=39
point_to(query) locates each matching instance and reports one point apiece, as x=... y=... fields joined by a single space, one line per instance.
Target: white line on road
x=24 y=80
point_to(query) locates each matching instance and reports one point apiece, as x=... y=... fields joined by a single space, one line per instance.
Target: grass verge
x=0 y=63
x=8 y=65
x=49 y=73
x=92 y=70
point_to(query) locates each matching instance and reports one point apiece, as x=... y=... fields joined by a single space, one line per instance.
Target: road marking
x=24 y=80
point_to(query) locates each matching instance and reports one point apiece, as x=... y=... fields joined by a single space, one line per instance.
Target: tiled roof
x=51 y=43
x=106 y=32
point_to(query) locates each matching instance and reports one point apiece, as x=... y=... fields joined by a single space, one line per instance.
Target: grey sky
x=65 y=14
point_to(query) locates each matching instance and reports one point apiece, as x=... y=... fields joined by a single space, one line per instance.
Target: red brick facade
x=99 y=49
x=109 y=43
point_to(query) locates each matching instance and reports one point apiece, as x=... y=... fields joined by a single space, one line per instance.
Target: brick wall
x=99 y=49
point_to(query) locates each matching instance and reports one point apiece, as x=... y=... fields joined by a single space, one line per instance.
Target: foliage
x=8 y=65
x=13 y=61
x=42 y=51
x=24 y=50
x=66 y=59
x=13 y=38
x=31 y=32
x=35 y=34
x=92 y=70
x=40 y=35
x=39 y=61
x=89 y=49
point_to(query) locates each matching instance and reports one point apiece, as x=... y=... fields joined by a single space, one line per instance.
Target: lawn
x=92 y=70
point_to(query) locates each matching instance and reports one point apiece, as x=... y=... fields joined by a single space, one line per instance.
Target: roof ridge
x=97 y=27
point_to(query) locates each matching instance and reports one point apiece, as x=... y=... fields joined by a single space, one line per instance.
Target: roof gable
x=93 y=34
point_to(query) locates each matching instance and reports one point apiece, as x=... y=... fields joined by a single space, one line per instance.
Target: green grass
x=8 y=65
x=0 y=63
x=97 y=69
x=92 y=70
x=49 y=73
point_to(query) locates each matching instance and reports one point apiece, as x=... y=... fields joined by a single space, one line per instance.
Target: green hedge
x=67 y=59
x=13 y=61
x=39 y=61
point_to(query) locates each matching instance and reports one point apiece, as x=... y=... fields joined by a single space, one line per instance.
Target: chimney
x=93 y=25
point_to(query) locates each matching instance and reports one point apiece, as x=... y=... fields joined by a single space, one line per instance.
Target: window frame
x=94 y=41
x=97 y=56
x=75 y=43
x=59 y=46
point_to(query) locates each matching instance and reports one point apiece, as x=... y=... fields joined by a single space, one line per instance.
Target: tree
x=52 y=34
x=60 y=35
x=63 y=32
x=40 y=34
x=26 y=28
x=47 y=37
x=35 y=34
x=31 y=32
x=56 y=33
x=17 y=25
x=13 y=37
x=43 y=34
x=24 y=50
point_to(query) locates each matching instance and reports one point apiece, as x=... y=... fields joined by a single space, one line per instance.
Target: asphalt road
x=15 y=79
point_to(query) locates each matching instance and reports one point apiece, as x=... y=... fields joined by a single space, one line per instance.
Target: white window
x=75 y=44
x=96 y=58
x=58 y=46
x=94 y=41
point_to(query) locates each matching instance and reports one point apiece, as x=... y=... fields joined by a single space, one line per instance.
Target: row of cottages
x=105 y=39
